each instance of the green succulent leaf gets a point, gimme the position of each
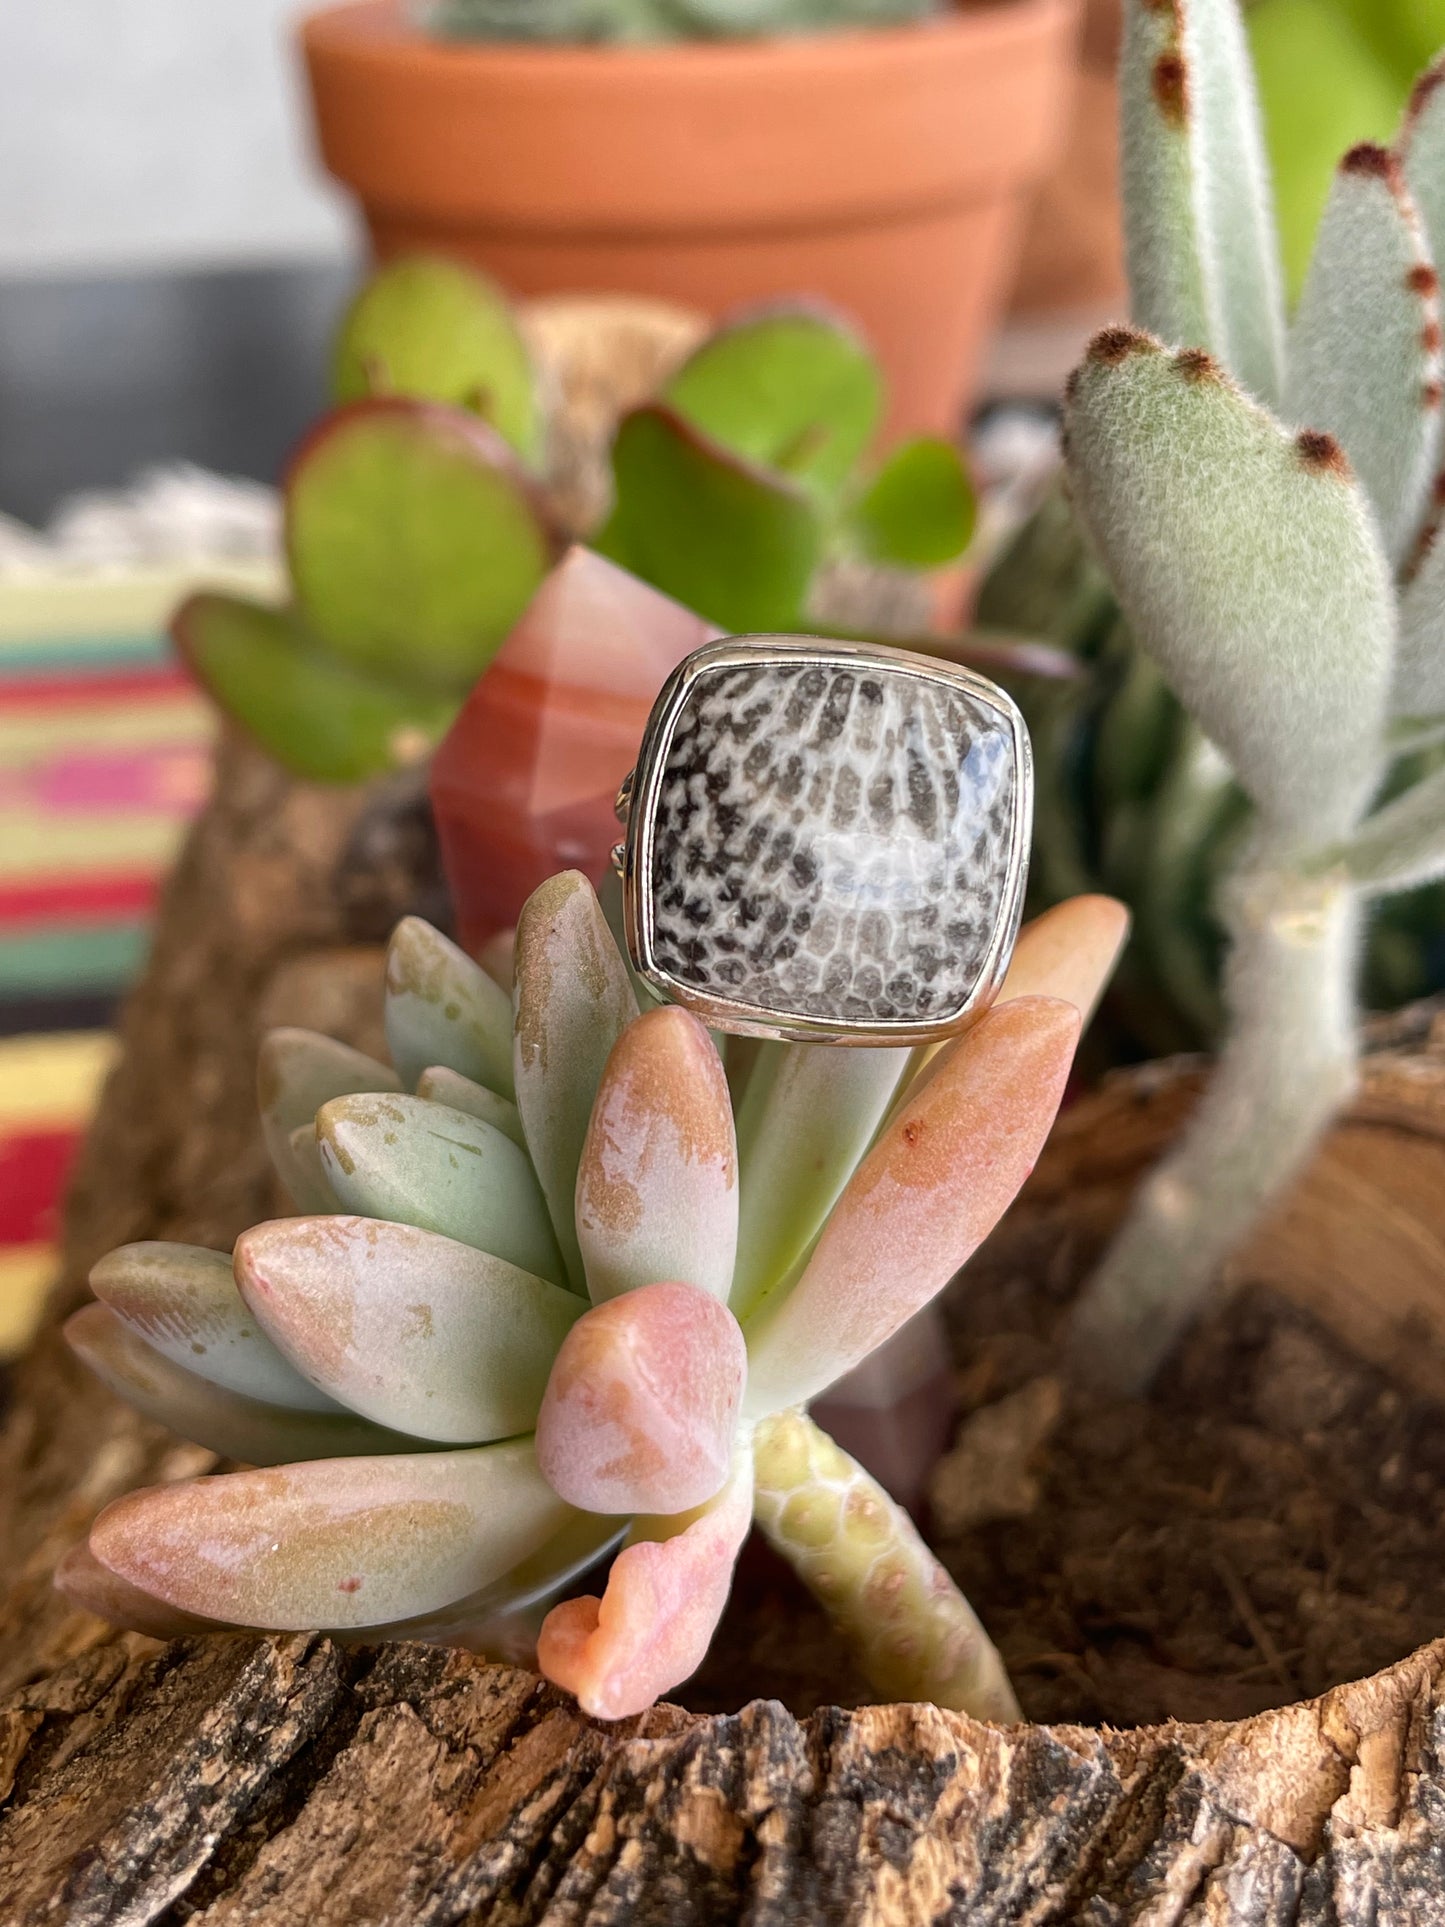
(736, 543)
(918, 511)
(791, 388)
(412, 1330)
(297, 1071)
(309, 1187)
(441, 1008)
(439, 1085)
(439, 330)
(410, 1162)
(414, 540)
(1198, 215)
(183, 1302)
(358, 1542)
(1422, 150)
(225, 1422)
(1364, 351)
(320, 718)
(1248, 564)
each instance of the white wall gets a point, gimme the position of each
(156, 133)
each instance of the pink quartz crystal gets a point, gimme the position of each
(525, 781)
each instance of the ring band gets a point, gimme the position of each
(827, 842)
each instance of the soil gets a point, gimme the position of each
(1263, 1527)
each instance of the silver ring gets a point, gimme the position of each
(827, 842)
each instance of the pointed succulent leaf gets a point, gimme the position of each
(297, 1071)
(183, 1301)
(414, 541)
(807, 1116)
(307, 1182)
(642, 1404)
(1420, 659)
(1402, 845)
(410, 1162)
(439, 1085)
(657, 1186)
(224, 1422)
(940, 1177)
(790, 388)
(1364, 351)
(1248, 563)
(1422, 149)
(1198, 215)
(919, 510)
(341, 1542)
(665, 1595)
(441, 1008)
(440, 330)
(94, 1588)
(412, 1330)
(1068, 953)
(736, 543)
(321, 718)
(572, 1002)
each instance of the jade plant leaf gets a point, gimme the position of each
(1199, 217)
(573, 1000)
(412, 1330)
(918, 511)
(322, 718)
(440, 1085)
(641, 1409)
(441, 1008)
(226, 1422)
(946, 1168)
(297, 1071)
(410, 1162)
(183, 1301)
(665, 1595)
(414, 540)
(1364, 351)
(1247, 560)
(735, 542)
(439, 330)
(789, 388)
(657, 1184)
(346, 1542)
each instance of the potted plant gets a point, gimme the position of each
(713, 156)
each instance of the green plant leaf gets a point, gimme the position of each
(440, 330)
(1402, 845)
(414, 540)
(1247, 561)
(297, 1071)
(1198, 215)
(918, 511)
(1364, 351)
(735, 543)
(319, 717)
(410, 1162)
(441, 1008)
(1421, 147)
(440, 1085)
(412, 1330)
(789, 388)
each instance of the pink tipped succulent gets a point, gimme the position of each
(555, 1293)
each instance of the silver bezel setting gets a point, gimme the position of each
(637, 804)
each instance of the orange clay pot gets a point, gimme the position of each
(889, 171)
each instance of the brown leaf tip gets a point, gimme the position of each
(1170, 82)
(1114, 345)
(1322, 454)
(1426, 87)
(1431, 395)
(1423, 280)
(1372, 162)
(1197, 364)
(1431, 337)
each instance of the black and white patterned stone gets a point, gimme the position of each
(832, 842)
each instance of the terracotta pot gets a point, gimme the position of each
(887, 171)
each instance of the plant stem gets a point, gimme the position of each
(1289, 1064)
(861, 1557)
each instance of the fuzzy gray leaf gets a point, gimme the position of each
(1421, 148)
(1402, 844)
(1420, 659)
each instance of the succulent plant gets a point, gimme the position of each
(646, 20)
(1265, 505)
(553, 1293)
(418, 532)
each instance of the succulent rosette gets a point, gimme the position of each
(567, 1282)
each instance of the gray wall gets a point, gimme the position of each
(141, 134)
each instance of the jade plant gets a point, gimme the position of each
(1265, 503)
(560, 1287)
(650, 20)
(417, 530)
(1133, 796)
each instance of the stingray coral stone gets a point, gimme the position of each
(559, 1289)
